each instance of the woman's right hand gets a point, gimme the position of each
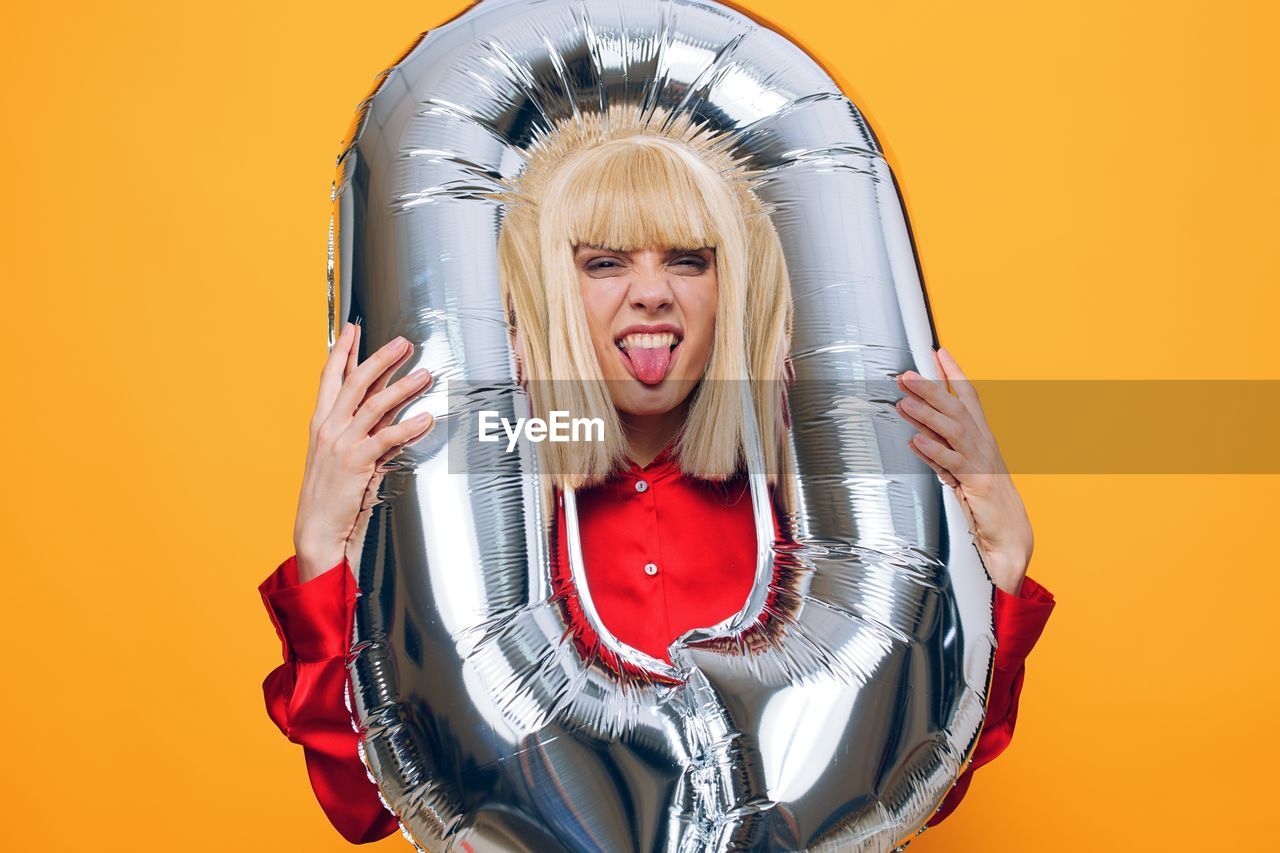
(351, 437)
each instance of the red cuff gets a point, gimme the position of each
(310, 618)
(1020, 619)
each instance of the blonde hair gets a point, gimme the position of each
(630, 181)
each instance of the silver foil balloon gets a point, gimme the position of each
(483, 727)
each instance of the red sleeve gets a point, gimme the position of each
(306, 695)
(1019, 621)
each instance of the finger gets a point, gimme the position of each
(934, 392)
(943, 474)
(923, 427)
(941, 454)
(381, 382)
(357, 383)
(940, 424)
(414, 391)
(331, 375)
(388, 442)
(382, 408)
(396, 448)
(353, 357)
(964, 389)
(961, 432)
(378, 386)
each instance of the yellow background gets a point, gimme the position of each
(1092, 186)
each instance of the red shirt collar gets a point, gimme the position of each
(663, 465)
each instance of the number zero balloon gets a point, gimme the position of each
(838, 707)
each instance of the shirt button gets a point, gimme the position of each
(642, 486)
(650, 568)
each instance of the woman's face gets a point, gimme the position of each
(652, 315)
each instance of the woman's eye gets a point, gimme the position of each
(607, 264)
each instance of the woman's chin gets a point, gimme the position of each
(639, 399)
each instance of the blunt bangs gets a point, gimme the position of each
(632, 194)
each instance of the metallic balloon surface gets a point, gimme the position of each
(483, 727)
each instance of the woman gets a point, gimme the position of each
(640, 266)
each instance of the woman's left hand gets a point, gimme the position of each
(956, 442)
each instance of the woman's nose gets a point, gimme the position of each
(650, 291)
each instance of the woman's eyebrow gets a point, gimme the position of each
(701, 253)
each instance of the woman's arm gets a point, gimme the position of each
(306, 694)
(1019, 622)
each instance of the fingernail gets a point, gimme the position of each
(398, 342)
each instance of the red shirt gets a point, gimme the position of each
(663, 553)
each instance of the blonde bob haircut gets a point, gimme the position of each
(629, 181)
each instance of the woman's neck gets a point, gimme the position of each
(647, 435)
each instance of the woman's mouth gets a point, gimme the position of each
(648, 357)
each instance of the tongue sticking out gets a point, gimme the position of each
(651, 363)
